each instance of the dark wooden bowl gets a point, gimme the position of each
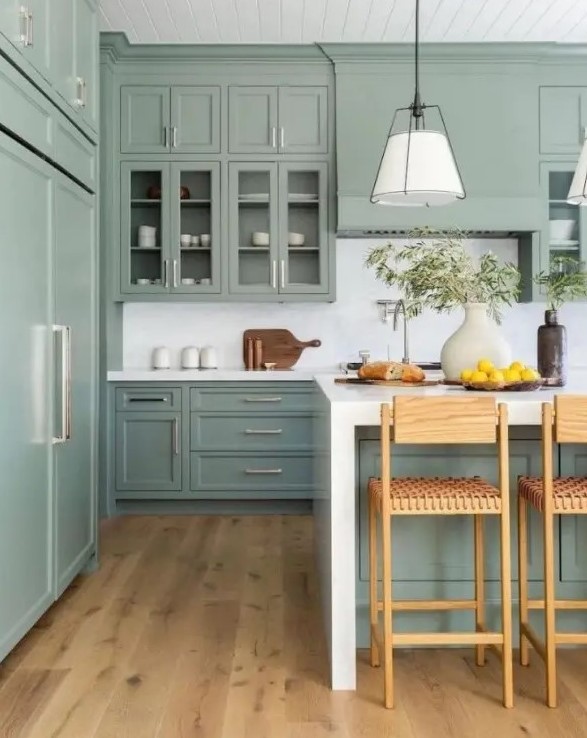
(504, 386)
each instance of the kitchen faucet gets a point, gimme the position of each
(401, 307)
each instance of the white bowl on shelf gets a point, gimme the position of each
(185, 239)
(562, 230)
(296, 239)
(260, 238)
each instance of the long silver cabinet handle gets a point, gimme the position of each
(79, 92)
(282, 272)
(282, 137)
(253, 432)
(30, 30)
(263, 399)
(23, 17)
(175, 272)
(174, 137)
(68, 338)
(263, 471)
(274, 274)
(175, 437)
(166, 273)
(274, 137)
(147, 399)
(166, 137)
(62, 437)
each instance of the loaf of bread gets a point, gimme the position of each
(392, 370)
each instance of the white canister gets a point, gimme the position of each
(161, 358)
(147, 236)
(208, 358)
(190, 357)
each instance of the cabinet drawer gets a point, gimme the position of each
(148, 398)
(252, 399)
(250, 472)
(248, 433)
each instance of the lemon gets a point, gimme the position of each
(497, 376)
(513, 375)
(517, 366)
(466, 375)
(485, 365)
(529, 375)
(478, 376)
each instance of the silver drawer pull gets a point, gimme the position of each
(263, 399)
(147, 399)
(252, 432)
(263, 471)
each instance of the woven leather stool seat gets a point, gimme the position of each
(419, 495)
(569, 493)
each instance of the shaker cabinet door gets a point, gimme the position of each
(86, 58)
(144, 120)
(11, 21)
(148, 452)
(62, 63)
(195, 120)
(252, 113)
(303, 123)
(563, 119)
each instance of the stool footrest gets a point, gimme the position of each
(446, 639)
(407, 605)
(559, 604)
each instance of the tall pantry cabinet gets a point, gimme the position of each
(48, 327)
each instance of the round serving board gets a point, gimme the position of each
(386, 382)
(512, 387)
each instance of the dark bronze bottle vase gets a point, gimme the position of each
(552, 350)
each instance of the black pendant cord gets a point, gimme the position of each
(417, 107)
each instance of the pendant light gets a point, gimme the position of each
(578, 191)
(418, 166)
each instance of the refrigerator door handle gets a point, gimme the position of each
(68, 398)
(61, 438)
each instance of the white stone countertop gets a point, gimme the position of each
(216, 375)
(361, 405)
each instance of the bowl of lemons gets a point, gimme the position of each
(517, 377)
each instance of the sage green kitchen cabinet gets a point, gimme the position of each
(86, 59)
(163, 120)
(25, 502)
(284, 120)
(278, 202)
(13, 21)
(178, 199)
(144, 119)
(148, 452)
(74, 274)
(62, 61)
(563, 119)
(573, 528)
(555, 180)
(37, 44)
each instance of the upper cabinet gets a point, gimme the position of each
(283, 120)
(162, 120)
(563, 119)
(57, 40)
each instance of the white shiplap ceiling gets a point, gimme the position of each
(308, 21)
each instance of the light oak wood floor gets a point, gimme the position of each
(210, 628)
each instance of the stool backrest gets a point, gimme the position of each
(444, 419)
(570, 418)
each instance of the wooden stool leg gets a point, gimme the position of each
(549, 613)
(506, 609)
(523, 576)
(387, 613)
(479, 586)
(373, 578)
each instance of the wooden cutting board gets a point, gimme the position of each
(386, 382)
(280, 346)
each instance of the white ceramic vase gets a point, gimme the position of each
(477, 338)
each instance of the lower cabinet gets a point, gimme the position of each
(573, 527)
(212, 441)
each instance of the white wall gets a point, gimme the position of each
(344, 327)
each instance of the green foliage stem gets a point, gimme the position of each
(565, 280)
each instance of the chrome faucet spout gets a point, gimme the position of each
(400, 307)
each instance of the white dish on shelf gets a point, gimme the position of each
(562, 230)
(254, 196)
(185, 239)
(260, 238)
(296, 239)
(188, 281)
(303, 196)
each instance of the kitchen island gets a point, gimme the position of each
(347, 424)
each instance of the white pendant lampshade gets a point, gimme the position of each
(578, 191)
(417, 169)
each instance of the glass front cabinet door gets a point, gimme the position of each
(566, 227)
(170, 228)
(278, 228)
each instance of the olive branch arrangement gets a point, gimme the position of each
(565, 280)
(435, 271)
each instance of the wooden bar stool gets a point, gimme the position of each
(550, 497)
(433, 420)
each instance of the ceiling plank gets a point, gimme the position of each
(354, 23)
(249, 20)
(206, 21)
(313, 21)
(270, 18)
(292, 21)
(377, 20)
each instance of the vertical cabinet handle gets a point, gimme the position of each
(282, 137)
(175, 272)
(65, 380)
(80, 95)
(26, 26)
(282, 264)
(175, 437)
(274, 137)
(174, 137)
(166, 137)
(274, 274)
(68, 398)
(166, 274)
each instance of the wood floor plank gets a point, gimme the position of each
(208, 627)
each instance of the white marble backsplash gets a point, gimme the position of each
(352, 323)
